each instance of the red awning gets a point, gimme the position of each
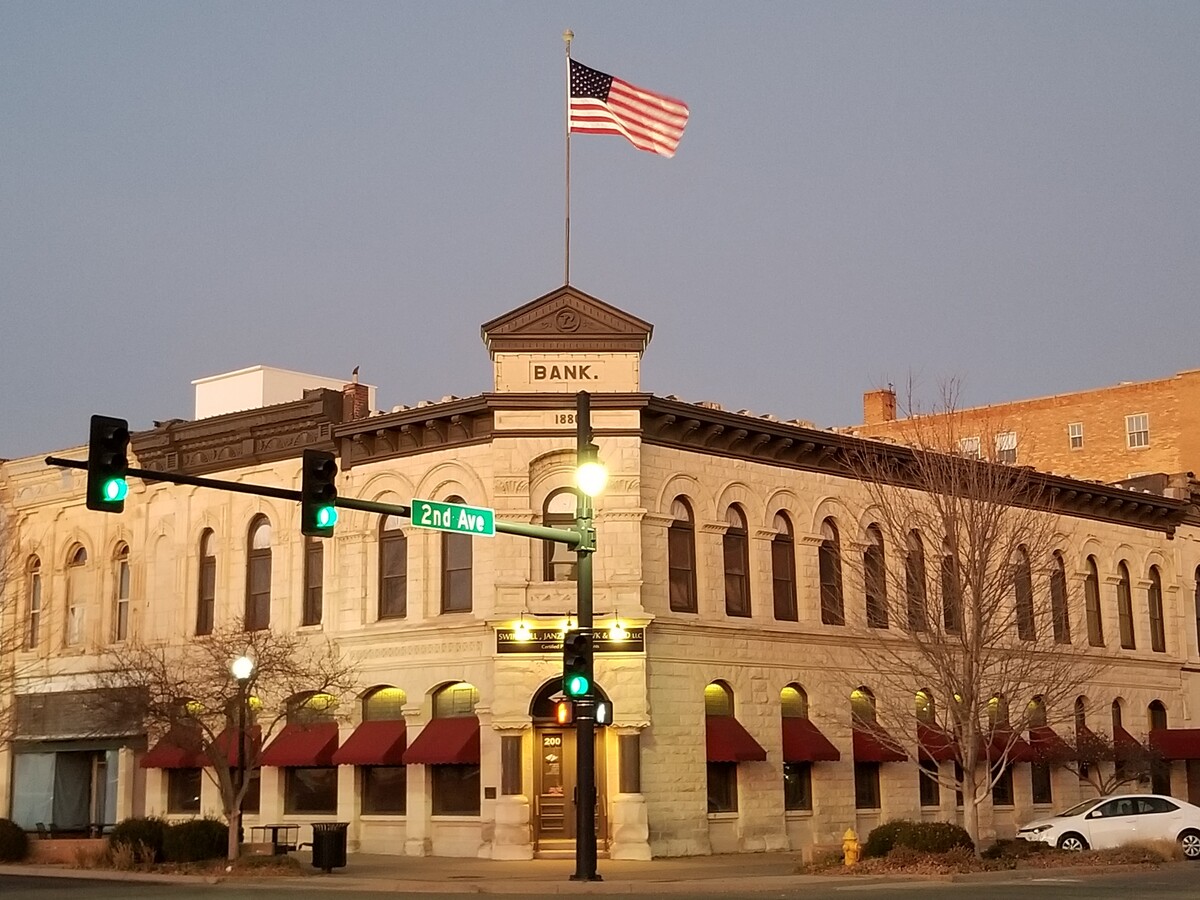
(803, 742)
(727, 741)
(873, 744)
(1125, 745)
(227, 743)
(374, 744)
(1046, 746)
(302, 745)
(1176, 743)
(935, 743)
(446, 742)
(177, 749)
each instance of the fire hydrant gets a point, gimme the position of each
(851, 847)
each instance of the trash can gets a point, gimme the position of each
(329, 845)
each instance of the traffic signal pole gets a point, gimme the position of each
(585, 709)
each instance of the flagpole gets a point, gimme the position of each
(568, 36)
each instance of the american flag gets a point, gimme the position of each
(602, 104)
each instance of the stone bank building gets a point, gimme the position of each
(731, 689)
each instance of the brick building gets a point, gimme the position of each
(731, 685)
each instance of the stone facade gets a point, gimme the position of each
(512, 449)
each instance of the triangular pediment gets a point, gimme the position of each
(566, 320)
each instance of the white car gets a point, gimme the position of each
(1112, 821)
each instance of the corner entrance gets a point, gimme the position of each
(555, 791)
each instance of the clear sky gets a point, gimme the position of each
(1005, 193)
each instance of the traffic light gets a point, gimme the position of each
(318, 492)
(577, 664)
(107, 464)
(564, 712)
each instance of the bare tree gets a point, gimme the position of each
(971, 616)
(185, 693)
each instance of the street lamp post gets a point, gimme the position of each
(242, 668)
(590, 477)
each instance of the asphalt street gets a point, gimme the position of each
(1172, 883)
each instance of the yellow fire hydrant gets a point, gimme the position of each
(851, 847)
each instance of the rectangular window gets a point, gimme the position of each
(455, 790)
(866, 785)
(969, 447)
(183, 790)
(1043, 789)
(384, 790)
(1075, 435)
(722, 787)
(122, 617)
(310, 790)
(206, 600)
(1002, 790)
(314, 575)
(1006, 447)
(797, 786)
(1137, 431)
(928, 787)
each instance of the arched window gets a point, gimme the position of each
(455, 787)
(681, 557)
(783, 569)
(829, 569)
(875, 579)
(1023, 587)
(1158, 636)
(1091, 593)
(34, 604)
(393, 568)
(206, 586)
(915, 587)
(76, 601)
(1125, 607)
(1058, 600)
(384, 787)
(722, 776)
(559, 560)
(314, 581)
(258, 575)
(121, 606)
(951, 592)
(736, 552)
(456, 569)
(797, 776)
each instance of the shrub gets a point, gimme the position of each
(14, 843)
(927, 837)
(195, 840)
(143, 836)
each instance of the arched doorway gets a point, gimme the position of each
(554, 768)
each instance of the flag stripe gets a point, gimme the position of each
(602, 104)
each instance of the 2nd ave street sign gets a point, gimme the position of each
(477, 520)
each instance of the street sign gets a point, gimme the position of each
(476, 520)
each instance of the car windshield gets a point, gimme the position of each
(1079, 808)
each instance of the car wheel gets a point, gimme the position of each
(1072, 842)
(1189, 842)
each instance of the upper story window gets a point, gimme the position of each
(969, 447)
(915, 587)
(1006, 447)
(736, 552)
(34, 605)
(258, 575)
(121, 612)
(314, 578)
(875, 579)
(1023, 588)
(1125, 607)
(681, 557)
(76, 601)
(456, 569)
(559, 560)
(393, 568)
(1075, 435)
(206, 589)
(1158, 637)
(1137, 431)
(1091, 597)
(783, 569)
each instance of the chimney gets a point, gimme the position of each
(879, 406)
(355, 399)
